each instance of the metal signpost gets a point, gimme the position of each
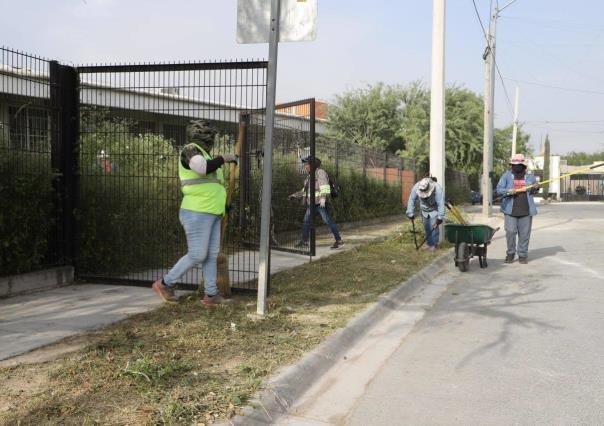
(286, 20)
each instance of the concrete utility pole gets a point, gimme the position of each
(267, 172)
(515, 131)
(489, 98)
(489, 106)
(437, 95)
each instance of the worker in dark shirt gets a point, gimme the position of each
(518, 207)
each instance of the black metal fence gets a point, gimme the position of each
(133, 123)
(36, 167)
(582, 187)
(89, 155)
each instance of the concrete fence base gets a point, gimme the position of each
(36, 281)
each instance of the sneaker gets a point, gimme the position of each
(301, 244)
(165, 292)
(211, 301)
(509, 258)
(523, 260)
(337, 245)
(431, 248)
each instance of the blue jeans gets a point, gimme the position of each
(326, 216)
(432, 235)
(203, 244)
(521, 227)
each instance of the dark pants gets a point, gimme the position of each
(325, 213)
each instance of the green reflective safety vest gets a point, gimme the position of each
(203, 194)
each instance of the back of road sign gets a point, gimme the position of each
(298, 21)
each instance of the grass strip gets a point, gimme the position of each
(185, 364)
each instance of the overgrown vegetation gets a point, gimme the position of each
(129, 188)
(26, 216)
(187, 365)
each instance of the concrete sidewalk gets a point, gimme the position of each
(40, 319)
(511, 344)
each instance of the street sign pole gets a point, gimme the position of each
(267, 172)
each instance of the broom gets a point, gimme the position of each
(223, 280)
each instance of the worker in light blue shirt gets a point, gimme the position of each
(432, 207)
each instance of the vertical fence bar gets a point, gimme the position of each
(312, 180)
(57, 242)
(70, 129)
(64, 100)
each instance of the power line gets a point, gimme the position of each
(549, 86)
(484, 31)
(488, 50)
(505, 90)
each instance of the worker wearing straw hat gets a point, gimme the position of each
(518, 207)
(432, 206)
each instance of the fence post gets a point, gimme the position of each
(244, 170)
(312, 180)
(385, 168)
(337, 159)
(65, 124)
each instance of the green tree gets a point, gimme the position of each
(546, 168)
(463, 128)
(575, 158)
(369, 117)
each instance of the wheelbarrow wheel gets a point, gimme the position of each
(483, 258)
(462, 256)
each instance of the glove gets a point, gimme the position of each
(322, 203)
(411, 217)
(292, 197)
(439, 221)
(230, 158)
(511, 192)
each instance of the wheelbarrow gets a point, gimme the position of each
(470, 241)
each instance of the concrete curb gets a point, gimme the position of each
(35, 281)
(291, 383)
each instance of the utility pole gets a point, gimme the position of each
(515, 131)
(267, 172)
(437, 95)
(489, 98)
(489, 106)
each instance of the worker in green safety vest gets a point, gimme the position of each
(201, 211)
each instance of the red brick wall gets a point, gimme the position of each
(407, 179)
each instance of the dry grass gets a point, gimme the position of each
(187, 365)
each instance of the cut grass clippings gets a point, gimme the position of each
(184, 364)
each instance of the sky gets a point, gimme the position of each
(552, 50)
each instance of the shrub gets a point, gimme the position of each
(27, 215)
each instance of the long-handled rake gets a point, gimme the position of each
(418, 246)
(223, 280)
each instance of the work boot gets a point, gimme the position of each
(212, 301)
(509, 258)
(337, 245)
(165, 292)
(523, 260)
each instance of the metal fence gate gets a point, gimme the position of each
(132, 123)
(294, 137)
(582, 187)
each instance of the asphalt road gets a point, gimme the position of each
(512, 344)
